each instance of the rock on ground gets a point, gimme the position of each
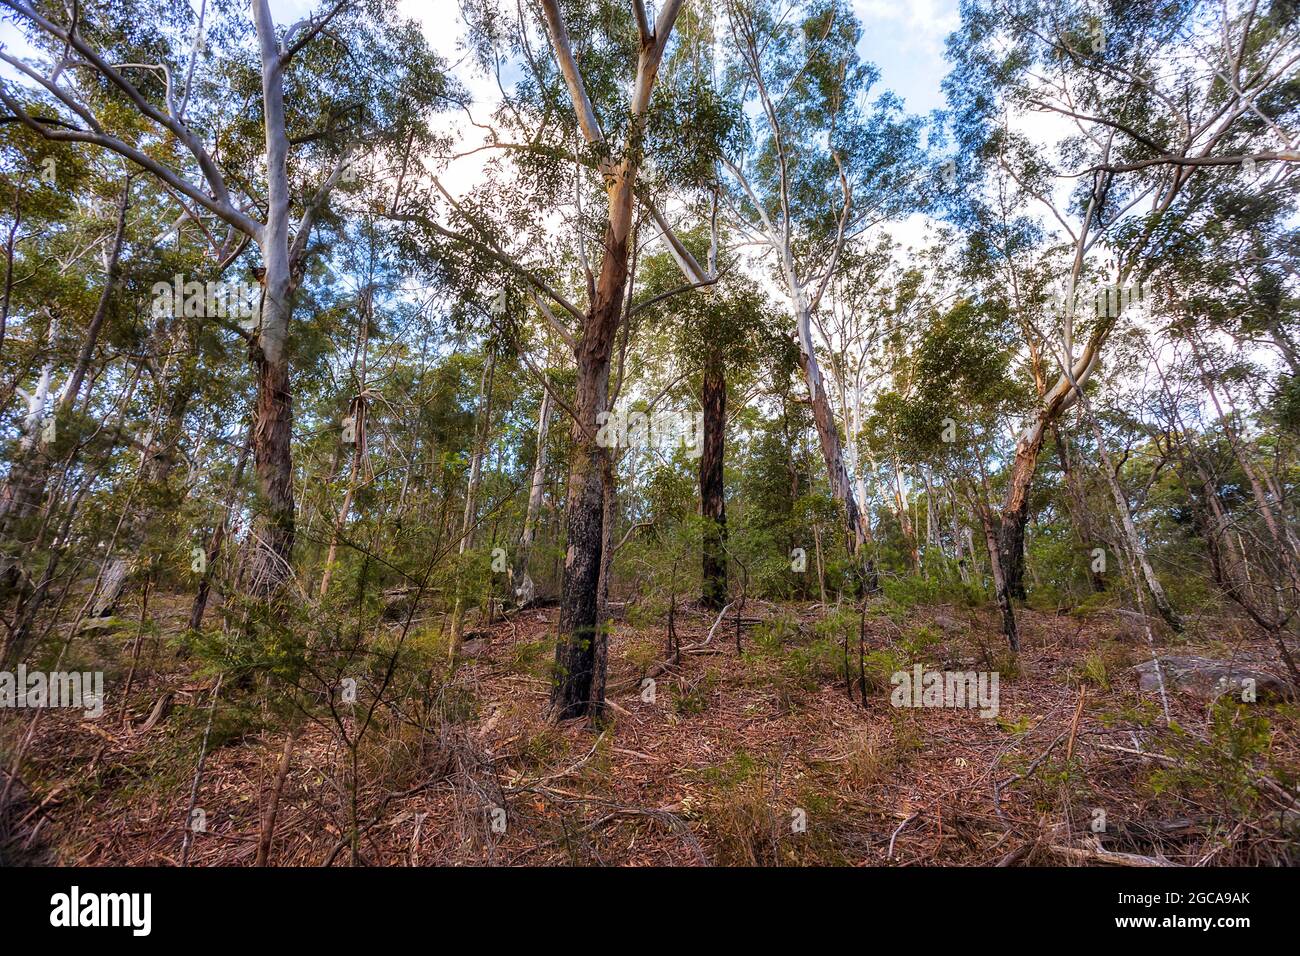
(1210, 679)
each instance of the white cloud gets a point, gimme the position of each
(906, 41)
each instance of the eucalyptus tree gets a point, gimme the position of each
(580, 655)
(62, 299)
(860, 313)
(1234, 481)
(959, 355)
(1230, 293)
(715, 338)
(587, 130)
(89, 235)
(821, 164)
(24, 485)
(1227, 289)
(875, 312)
(1147, 96)
(1008, 255)
(352, 76)
(189, 370)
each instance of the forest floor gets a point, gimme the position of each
(757, 757)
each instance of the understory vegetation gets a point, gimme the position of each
(640, 439)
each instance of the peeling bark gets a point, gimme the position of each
(856, 534)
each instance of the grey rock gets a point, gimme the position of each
(399, 603)
(1210, 679)
(949, 625)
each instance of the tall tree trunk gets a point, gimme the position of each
(576, 651)
(713, 504)
(1010, 537)
(271, 564)
(577, 689)
(21, 492)
(857, 534)
(273, 467)
(609, 519)
(1001, 591)
(852, 414)
(1015, 506)
(525, 591)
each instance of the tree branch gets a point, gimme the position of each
(572, 77)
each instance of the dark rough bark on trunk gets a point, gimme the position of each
(1001, 590)
(1015, 515)
(578, 687)
(1011, 552)
(273, 464)
(1015, 506)
(577, 650)
(600, 654)
(282, 256)
(713, 504)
